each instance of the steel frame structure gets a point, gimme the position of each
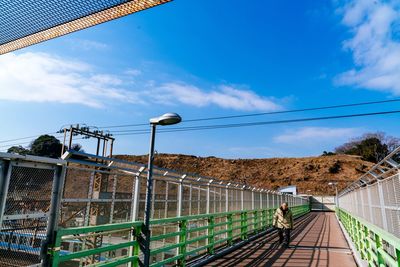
(30, 22)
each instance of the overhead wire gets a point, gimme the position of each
(247, 124)
(265, 113)
(217, 118)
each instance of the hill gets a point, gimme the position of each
(310, 173)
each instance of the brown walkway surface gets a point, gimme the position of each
(317, 240)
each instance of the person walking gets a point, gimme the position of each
(283, 221)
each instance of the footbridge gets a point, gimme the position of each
(87, 210)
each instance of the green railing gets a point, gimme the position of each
(174, 241)
(375, 245)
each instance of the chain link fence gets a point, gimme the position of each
(29, 190)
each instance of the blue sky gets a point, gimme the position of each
(214, 58)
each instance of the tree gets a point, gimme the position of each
(370, 146)
(77, 147)
(46, 146)
(18, 150)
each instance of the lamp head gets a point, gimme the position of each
(166, 119)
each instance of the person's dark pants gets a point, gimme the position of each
(284, 236)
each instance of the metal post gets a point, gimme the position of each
(149, 189)
(52, 224)
(111, 148)
(336, 196)
(153, 198)
(136, 195)
(252, 198)
(227, 197)
(180, 196)
(114, 189)
(166, 199)
(5, 174)
(190, 199)
(63, 144)
(241, 198)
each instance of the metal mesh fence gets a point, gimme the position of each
(378, 203)
(98, 194)
(27, 191)
(27, 22)
(375, 197)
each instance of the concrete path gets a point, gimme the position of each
(317, 240)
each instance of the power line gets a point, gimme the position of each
(266, 113)
(24, 143)
(23, 138)
(225, 117)
(296, 110)
(237, 125)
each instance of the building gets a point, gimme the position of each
(291, 189)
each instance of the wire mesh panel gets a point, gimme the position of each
(27, 22)
(26, 208)
(377, 203)
(391, 196)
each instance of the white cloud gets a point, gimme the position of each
(316, 134)
(40, 77)
(133, 72)
(224, 96)
(375, 44)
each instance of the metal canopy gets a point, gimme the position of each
(27, 22)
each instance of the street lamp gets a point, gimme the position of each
(336, 192)
(166, 119)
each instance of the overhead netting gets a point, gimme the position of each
(27, 22)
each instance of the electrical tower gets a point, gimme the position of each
(98, 179)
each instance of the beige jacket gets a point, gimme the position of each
(283, 221)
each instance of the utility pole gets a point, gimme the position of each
(103, 138)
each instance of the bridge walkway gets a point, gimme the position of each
(317, 240)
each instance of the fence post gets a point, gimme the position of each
(252, 198)
(211, 222)
(227, 197)
(56, 195)
(242, 198)
(182, 242)
(135, 209)
(230, 226)
(208, 197)
(243, 225)
(5, 174)
(180, 196)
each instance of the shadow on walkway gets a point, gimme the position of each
(312, 245)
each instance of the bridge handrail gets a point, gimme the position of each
(375, 245)
(222, 229)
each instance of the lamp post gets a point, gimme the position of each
(336, 192)
(163, 120)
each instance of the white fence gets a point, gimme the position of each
(375, 197)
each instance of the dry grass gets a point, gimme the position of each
(311, 173)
